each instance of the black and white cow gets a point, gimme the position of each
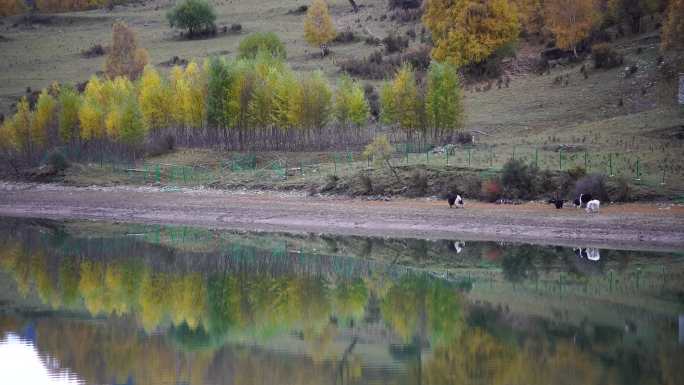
(582, 200)
(455, 199)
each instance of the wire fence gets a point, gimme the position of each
(262, 167)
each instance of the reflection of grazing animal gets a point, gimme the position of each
(582, 200)
(593, 206)
(454, 200)
(589, 253)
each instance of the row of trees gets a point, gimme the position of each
(245, 103)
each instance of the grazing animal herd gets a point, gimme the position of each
(585, 201)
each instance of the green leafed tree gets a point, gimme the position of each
(195, 16)
(443, 104)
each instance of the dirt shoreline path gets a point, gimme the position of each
(630, 226)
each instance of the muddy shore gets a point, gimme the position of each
(647, 226)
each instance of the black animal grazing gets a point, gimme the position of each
(451, 198)
(582, 200)
(557, 202)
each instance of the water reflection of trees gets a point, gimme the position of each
(196, 308)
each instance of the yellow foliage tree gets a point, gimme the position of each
(318, 25)
(469, 31)
(43, 117)
(69, 102)
(673, 28)
(399, 100)
(20, 136)
(154, 99)
(571, 20)
(91, 114)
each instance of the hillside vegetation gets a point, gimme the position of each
(562, 104)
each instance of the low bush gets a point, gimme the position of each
(619, 190)
(395, 43)
(405, 4)
(330, 183)
(269, 41)
(377, 66)
(57, 160)
(366, 183)
(159, 145)
(345, 37)
(491, 190)
(418, 183)
(519, 180)
(605, 56)
(594, 184)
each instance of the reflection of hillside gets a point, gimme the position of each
(228, 308)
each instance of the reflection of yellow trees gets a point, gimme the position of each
(476, 357)
(155, 299)
(188, 299)
(421, 307)
(349, 299)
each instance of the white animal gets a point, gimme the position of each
(459, 202)
(593, 254)
(593, 206)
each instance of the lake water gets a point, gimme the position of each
(98, 303)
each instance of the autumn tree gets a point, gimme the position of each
(91, 113)
(21, 135)
(155, 100)
(313, 103)
(444, 104)
(125, 58)
(351, 106)
(69, 103)
(399, 101)
(571, 21)
(318, 25)
(469, 31)
(43, 118)
(673, 28)
(219, 80)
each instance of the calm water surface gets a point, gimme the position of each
(97, 303)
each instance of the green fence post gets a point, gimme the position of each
(427, 156)
(586, 161)
(638, 174)
(407, 153)
(469, 157)
(185, 177)
(560, 159)
(334, 164)
(662, 182)
(536, 157)
(301, 167)
(158, 173)
(513, 152)
(491, 158)
(447, 158)
(610, 163)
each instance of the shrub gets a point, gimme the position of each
(491, 190)
(395, 42)
(330, 183)
(195, 16)
(519, 179)
(345, 37)
(593, 184)
(380, 150)
(57, 160)
(405, 4)
(160, 145)
(268, 41)
(620, 190)
(418, 183)
(366, 183)
(605, 56)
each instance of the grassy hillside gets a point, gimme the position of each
(608, 114)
